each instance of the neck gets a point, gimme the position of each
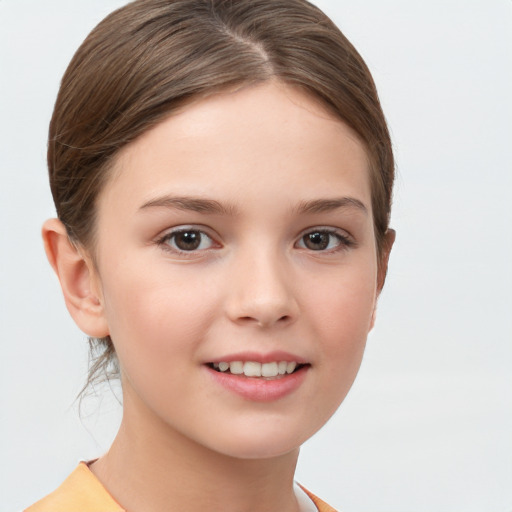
(152, 468)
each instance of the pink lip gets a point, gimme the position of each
(258, 389)
(270, 357)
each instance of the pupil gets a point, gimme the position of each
(317, 241)
(188, 240)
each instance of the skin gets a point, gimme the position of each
(253, 284)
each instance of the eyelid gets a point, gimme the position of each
(162, 239)
(346, 240)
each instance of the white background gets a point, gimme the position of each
(428, 424)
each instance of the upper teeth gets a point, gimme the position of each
(254, 369)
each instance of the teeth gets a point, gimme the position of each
(236, 367)
(223, 367)
(255, 369)
(290, 367)
(252, 369)
(269, 370)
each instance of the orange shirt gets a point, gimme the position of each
(83, 492)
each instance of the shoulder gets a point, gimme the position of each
(80, 492)
(83, 492)
(320, 505)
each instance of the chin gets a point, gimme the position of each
(259, 443)
(260, 451)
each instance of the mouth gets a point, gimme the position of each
(260, 377)
(265, 371)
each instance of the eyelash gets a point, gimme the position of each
(344, 242)
(165, 240)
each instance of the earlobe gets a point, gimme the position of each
(382, 270)
(78, 279)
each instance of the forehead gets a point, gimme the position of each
(247, 135)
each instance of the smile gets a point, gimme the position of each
(259, 382)
(255, 369)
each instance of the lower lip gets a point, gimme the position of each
(259, 389)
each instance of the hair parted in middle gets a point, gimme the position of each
(151, 58)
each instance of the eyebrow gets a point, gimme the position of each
(195, 204)
(326, 205)
(210, 206)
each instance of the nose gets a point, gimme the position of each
(261, 292)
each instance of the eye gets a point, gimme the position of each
(324, 240)
(187, 240)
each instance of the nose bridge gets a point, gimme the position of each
(261, 289)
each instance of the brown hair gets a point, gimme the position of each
(150, 57)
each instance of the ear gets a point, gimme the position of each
(78, 278)
(389, 240)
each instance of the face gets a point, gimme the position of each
(237, 270)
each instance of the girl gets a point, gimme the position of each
(222, 173)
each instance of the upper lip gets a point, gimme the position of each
(259, 357)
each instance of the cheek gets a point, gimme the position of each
(156, 316)
(341, 315)
(345, 302)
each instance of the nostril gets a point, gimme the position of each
(262, 313)
(262, 322)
